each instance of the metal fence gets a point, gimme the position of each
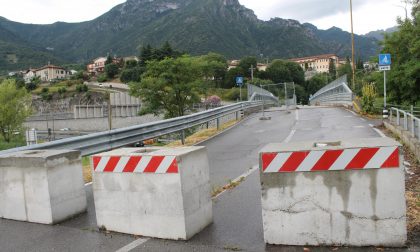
(103, 141)
(337, 92)
(406, 120)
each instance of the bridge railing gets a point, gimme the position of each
(406, 120)
(108, 140)
(257, 94)
(337, 92)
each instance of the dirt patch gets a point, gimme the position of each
(412, 184)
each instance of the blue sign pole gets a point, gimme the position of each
(385, 65)
(240, 82)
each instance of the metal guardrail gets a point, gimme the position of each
(333, 93)
(406, 120)
(103, 141)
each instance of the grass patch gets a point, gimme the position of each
(231, 185)
(14, 143)
(202, 135)
(87, 170)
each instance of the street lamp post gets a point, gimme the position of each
(352, 46)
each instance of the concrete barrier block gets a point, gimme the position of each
(42, 186)
(346, 193)
(155, 192)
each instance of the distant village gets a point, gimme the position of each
(311, 65)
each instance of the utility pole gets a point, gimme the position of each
(352, 46)
(252, 72)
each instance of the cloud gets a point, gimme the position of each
(304, 10)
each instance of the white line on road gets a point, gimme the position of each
(133, 245)
(371, 125)
(351, 111)
(238, 179)
(297, 115)
(363, 119)
(358, 127)
(289, 137)
(379, 132)
(88, 184)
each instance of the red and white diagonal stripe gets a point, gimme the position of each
(331, 160)
(135, 164)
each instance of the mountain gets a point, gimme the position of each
(379, 34)
(195, 26)
(15, 53)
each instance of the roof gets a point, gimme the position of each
(49, 66)
(316, 57)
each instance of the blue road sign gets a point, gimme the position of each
(239, 81)
(385, 59)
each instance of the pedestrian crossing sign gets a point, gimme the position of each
(385, 59)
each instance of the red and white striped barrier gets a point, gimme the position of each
(331, 160)
(135, 164)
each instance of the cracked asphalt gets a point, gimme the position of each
(237, 222)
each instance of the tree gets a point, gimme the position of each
(15, 107)
(296, 72)
(245, 65)
(332, 70)
(278, 71)
(230, 79)
(111, 70)
(108, 60)
(404, 46)
(214, 67)
(315, 83)
(145, 54)
(169, 86)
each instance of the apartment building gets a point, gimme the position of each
(318, 63)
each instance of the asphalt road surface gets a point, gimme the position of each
(237, 222)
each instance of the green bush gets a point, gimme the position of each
(46, 96)
(82, 88)
(102, 78)
(234, 94)
(45, 90)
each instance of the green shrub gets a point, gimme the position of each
(82, 88)
(46, 96)
(45, 90)
(368, 97)
(102, 78)
(234, 94)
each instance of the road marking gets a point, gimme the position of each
(363, 119)
(238, 179)
(297, 115)
(289, 137)
(88, 184)
(351, 111)
(133, 245)
(359, 127)
(379, 132)
(371, 125)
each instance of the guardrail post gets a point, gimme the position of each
(418, 129)
(405, 121)
(183, 137)
(413, 126)
(237, 115)
(218, 123)
(390, 114)
(398, 117)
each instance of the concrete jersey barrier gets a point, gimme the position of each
(348, 193)
(42, 186)
(155, 192)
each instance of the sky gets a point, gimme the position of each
(369, 15)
